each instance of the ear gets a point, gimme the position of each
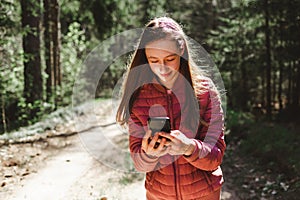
(182, 51)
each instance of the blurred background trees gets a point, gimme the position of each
(255, 45)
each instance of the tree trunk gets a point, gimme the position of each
(280, 63)
(48, 51)
(268, 60)
(279, 95)
(33, 85)
(298, 86)
(297, 75)
(274, 84)
(52, 48)
(3, 114)
(289, 98)
(55, 35)
(263, 84)
(295, 81)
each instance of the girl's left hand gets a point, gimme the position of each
(180, 144)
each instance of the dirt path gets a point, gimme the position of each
(72, 170)
(59, 173)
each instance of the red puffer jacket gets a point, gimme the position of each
(179, 177)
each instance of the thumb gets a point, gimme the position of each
(148, 134)
(145, 140)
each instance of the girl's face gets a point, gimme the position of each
(164, 59)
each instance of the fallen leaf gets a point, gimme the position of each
(8, 175)
(9, 163)
(284, 186)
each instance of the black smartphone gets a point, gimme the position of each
(159, 124)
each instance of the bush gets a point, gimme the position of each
(237, 125)
(275, 145)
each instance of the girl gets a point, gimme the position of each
(163, 81)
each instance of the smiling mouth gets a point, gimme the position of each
(166, 75)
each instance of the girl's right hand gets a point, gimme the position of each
(148, 145)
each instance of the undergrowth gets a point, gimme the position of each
(274, 145)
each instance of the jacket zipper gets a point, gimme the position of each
(177, 180)
(176, 170)
(170, 110)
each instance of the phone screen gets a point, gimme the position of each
(157, 124)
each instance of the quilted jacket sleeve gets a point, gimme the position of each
(142, 161)
(210, 144)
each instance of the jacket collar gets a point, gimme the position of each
(178, 85)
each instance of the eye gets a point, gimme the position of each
(170, 59)
(153, 61)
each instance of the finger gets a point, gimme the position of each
(159, 140)
(167, 135)
(161, 145)
(153, 141)
(168, 143)
(163, 141)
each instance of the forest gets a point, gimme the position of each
(254, 44)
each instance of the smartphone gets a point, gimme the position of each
(159, 124)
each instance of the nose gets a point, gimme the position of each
(163, 68)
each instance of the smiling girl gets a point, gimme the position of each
(163, 81)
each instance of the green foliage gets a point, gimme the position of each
(8, 15)
(235, 119)
(70, 12)
(74, 46)
(11, 65)
(274, 145)
(152, 9)
(238, 125)
(26, 110)
(238, 46)
(110, 77)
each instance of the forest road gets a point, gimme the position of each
(94, 165)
